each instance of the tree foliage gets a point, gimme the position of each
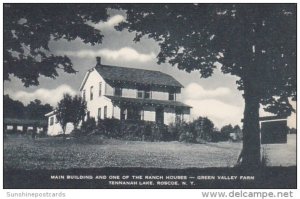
(203, 128)
(12, 108)
(16, 109)
(226, 130)
(36, 110)
(28, 29)
(255, 42)
(79, 109)
(70, 110)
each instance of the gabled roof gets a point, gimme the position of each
(152, 102)
(135, 76)
(85, 78)
(50, 113)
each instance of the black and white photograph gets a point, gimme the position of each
(149, 95)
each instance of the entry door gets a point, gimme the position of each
(159, 115)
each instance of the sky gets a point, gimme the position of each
(216, 97)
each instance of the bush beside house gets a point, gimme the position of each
(200, 130)
(126, 129)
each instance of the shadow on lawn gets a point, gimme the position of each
(269, 177)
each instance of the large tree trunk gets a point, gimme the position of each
(250, 156)
(64, 132)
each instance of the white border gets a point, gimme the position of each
(124, 193)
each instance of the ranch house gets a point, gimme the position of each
(129, 94)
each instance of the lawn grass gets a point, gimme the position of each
(97, 152)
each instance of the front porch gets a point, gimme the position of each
(159, 111)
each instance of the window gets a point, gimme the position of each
(172, 96)
(179, 116)
(140, 94)
(100, 88)
(88, 115)
(83, 95)
(91, 93)
(118, 92)
(145, 94)
(99, 113)
(105, 112)
(134, 113)
(51, 121)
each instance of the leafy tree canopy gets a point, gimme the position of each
(203, 127)
(16, 109)
(36, 110)
(256, 42)
(12, 108)
(70, 110)
(28, 28)
(227, 129)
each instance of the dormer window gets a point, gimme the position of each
(172, 96)
(118, 92)
(91, 93)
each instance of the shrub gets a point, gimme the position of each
(132, 130)
(43, 134)
(199, 140)
(159, 132)
(226, 131)
(198, 131)
(202, 128)
(109, 127)
(88, 126)
(76, 133)
(239, 134)
(187, 137)
(177, 129)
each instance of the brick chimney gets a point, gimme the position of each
(98, 59)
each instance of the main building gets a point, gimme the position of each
(129, 94)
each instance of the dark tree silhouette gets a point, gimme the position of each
(12, 108)
(64, 112)
(226, 130)
(16, 109)
(36, 110)
(70, 110)
(255, 42)
(79, 110)
(203, 128)
(28, 28)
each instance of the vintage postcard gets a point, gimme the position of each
(156, 96)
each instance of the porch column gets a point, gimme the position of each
(35, 129)
(25, 127)
(15, 128)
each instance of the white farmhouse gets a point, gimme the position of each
(129, 94)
